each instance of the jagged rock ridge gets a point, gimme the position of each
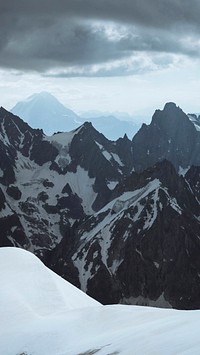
(120, 235)
(49, 183)
(171, 135)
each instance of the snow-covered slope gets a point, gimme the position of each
(42, 314)
(35, 287)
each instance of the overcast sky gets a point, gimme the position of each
(125, 55)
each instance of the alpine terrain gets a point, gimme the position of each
(118, 219)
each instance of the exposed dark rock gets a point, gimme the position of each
(108, 292)
(2, 199)
(73, 204)
(56, 258)
(43, 151)
(125, 152)
(43, 196)
(171, 135)
(51, 208)
(14, 192)
(67, 189)
(12, 232)
(47, 183)
(193, 178)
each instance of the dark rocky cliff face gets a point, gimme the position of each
(193, 178)
(171, 135)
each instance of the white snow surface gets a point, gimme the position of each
(31, 286)
(42, 314)
(195, 121)
(63, 138)
(82, 184)
(183, 171)
(112, 184)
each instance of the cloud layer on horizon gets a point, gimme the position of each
(97, 38)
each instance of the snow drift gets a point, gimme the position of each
(42, 314)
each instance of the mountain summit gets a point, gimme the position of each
(171, 135)
(43, 110)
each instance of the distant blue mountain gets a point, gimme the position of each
(43, 110)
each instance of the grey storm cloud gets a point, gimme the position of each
(47, 34)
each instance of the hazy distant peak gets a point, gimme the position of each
(43, 110)
(42, 96)
(124, 116)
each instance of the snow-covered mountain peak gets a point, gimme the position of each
(41, 95)
(43, 110)
(46, 99)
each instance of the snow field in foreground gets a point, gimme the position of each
(42, 314)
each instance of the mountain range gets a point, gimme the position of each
(44, 111)
(118, 219)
